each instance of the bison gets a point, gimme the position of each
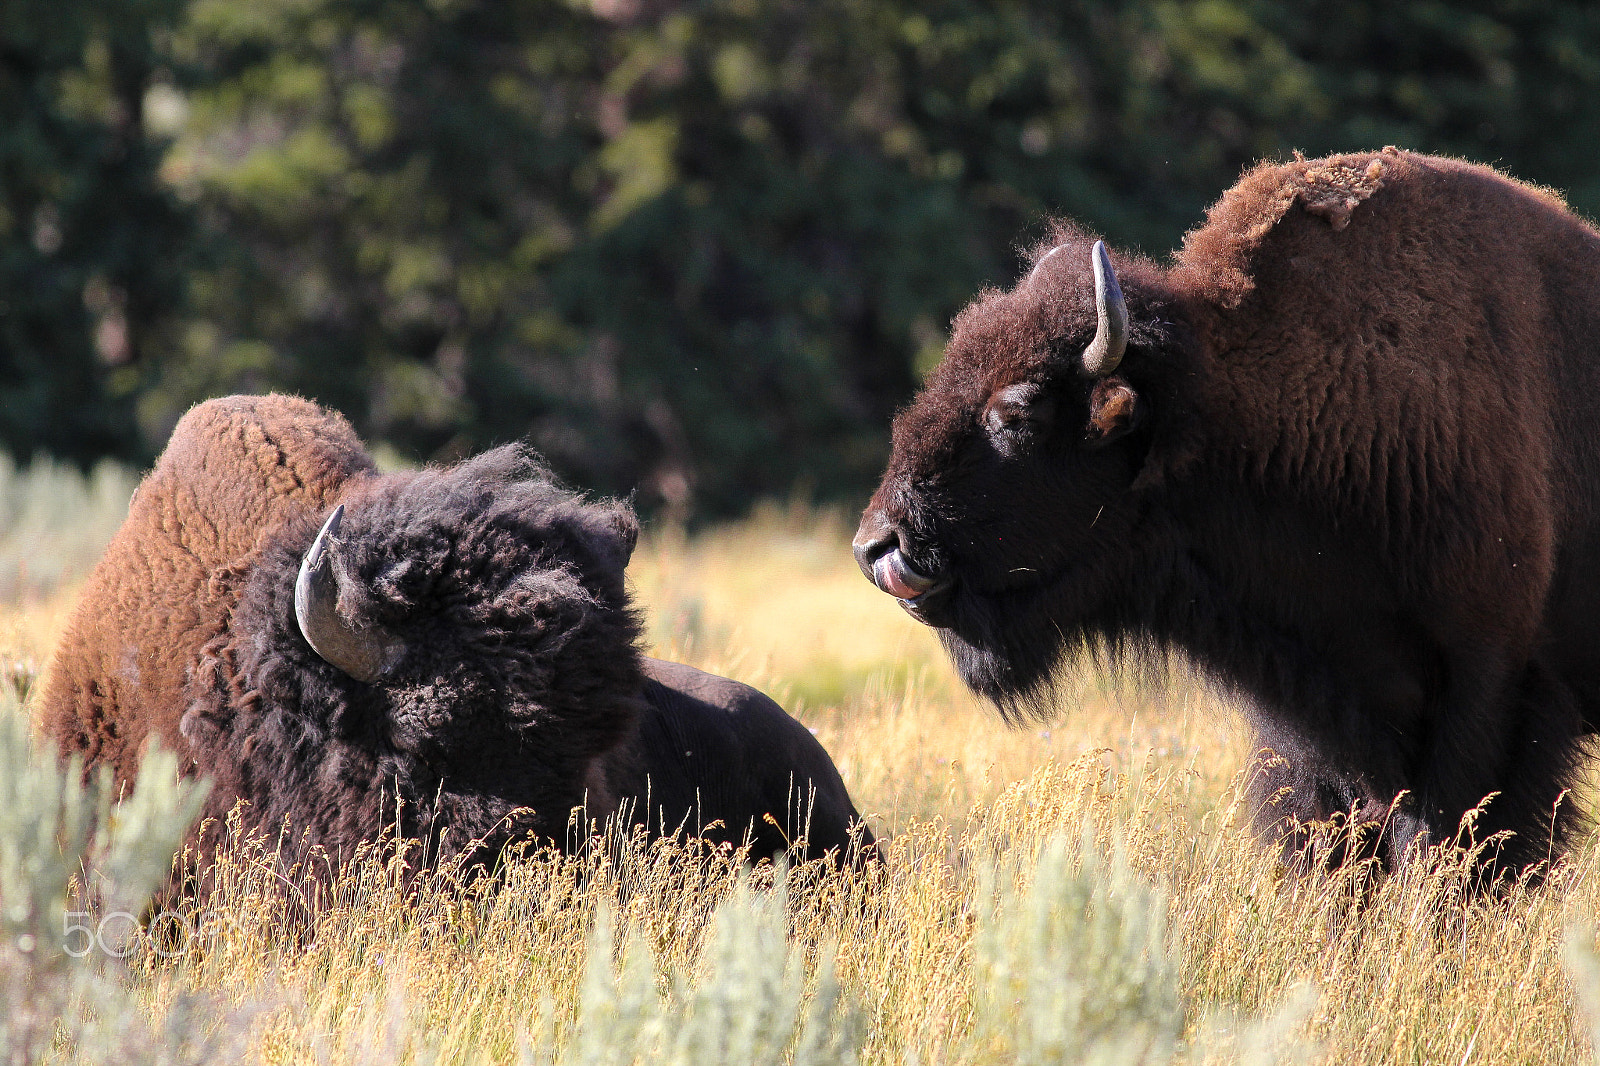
(454, 648)
(1341, 454)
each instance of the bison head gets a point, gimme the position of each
(460, 639)
(1007, 516)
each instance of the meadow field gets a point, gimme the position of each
(1081, 889)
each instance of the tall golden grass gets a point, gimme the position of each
(1077, 890)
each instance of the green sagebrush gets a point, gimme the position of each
(68, 996)
(1077, 967)
(1072, 962)
(749, 1006)
(1583, 967)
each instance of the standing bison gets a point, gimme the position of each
(1344, 454)
(327, 643)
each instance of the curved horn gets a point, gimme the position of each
(1111, 336)
(366, 654)
(1043, 258)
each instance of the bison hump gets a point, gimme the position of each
(1217, 259)
(1332, 189)
(234, 470)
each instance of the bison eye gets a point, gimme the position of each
(1018, 408)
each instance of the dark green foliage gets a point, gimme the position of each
(705, 248)
(91, 242)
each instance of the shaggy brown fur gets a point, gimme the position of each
(519, 693)
(234, 471)
(1348, 465)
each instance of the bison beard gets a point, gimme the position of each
(475, 675)
(1339, 455)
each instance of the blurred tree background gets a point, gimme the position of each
(698, 249)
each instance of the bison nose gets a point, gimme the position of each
(875, 537)
(879, 553)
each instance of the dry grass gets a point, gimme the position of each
(1403, 971)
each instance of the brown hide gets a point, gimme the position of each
(234, 470)
(1416, 380)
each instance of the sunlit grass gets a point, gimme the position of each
(1123, 809)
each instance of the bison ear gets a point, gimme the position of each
(1114, 411)
(611, 532)
(626, 523)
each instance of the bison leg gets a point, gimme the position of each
(1319, 815)
(1508, 747)
(1523, 745)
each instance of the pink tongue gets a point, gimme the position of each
(890, 581)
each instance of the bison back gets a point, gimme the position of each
(718, 759)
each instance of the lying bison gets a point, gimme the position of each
(1343, 453)
(324, 641)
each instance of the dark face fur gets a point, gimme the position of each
(508, 659)
(1005, 515)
